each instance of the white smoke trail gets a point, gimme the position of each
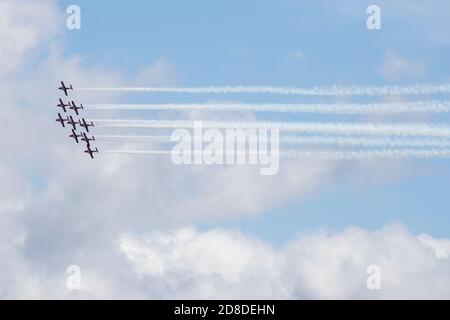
(353, 90)
(135, 138)
(308, 140)
(331, 155)
(369, 155)
(338, 108)
(365, 141)
(305, 127)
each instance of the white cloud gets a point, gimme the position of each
(226, 264)
(440, 247)
(395, 67)
(24, 25)
(161, 72)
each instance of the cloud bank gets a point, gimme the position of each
(227, 264)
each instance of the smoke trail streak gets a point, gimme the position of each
(131, 138)
(338, 108)
(309, 140)
(306, 127)
(369, 155)
(353, 90)
(365, 141)
(331, 155)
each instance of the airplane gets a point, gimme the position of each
(90, 151)
(86, 139)
(64, 88)
(85, 125)
(75, 108)
(75, 135)
(72, 122)
(61, 120)
(63, 105)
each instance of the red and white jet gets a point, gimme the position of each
(85, 125)
(90, 151)
(65, 88)
(61, 120)
(75, 135)
(75, 108)
(72, 122)
(62, 105)
(87, 139)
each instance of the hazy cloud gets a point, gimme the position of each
(395, 67)
(226, 264)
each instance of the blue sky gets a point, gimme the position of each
(238, 42)
(411, 202)
(255, 42)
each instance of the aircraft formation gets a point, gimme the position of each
(72, 123)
